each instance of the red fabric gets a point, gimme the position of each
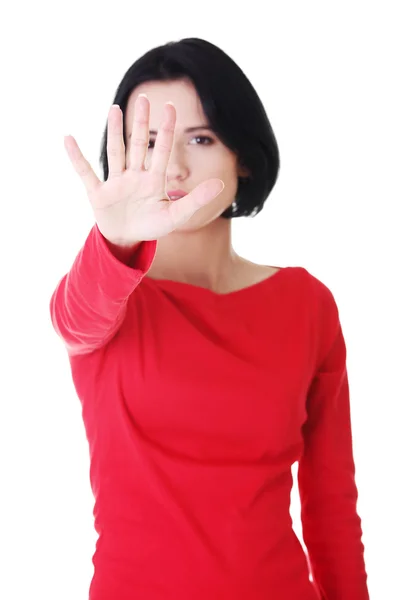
(195, 406)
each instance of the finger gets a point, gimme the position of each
(81, 165)
(181, 210)
(165, 138)
(140, 134)
(115, 142)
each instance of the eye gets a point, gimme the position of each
(203, 137)
(209, 141)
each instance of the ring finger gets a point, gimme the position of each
(115, 142)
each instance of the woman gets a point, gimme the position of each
(203, 377)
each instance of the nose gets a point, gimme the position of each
(177, 167)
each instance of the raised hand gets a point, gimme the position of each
(132, 205)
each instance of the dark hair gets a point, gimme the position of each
(230, 103)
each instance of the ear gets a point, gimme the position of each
(243, 171)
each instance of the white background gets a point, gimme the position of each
(328, 75)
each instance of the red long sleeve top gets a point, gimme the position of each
(195, 406)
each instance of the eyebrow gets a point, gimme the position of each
(187, 130)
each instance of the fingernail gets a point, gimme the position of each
(145, 95)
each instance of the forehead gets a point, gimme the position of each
(189, 111)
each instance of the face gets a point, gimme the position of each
(197, 155)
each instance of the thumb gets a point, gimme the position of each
(181, 210)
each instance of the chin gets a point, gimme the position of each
(196, 222)
(191, 226)
(205, 216)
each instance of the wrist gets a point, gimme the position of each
(121, 251)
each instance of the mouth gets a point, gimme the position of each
(176, 194)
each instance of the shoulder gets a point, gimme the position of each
(315, 301)
(316, 287)
(325, 314)
(307, 287)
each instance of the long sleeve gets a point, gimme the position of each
(326, 478)
(89, 304)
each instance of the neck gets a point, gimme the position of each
(203, 257)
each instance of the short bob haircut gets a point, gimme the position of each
(230, 103)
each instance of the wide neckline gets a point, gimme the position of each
(190, 287)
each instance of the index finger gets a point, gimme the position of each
(164, 141)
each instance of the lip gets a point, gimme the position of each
(176, 193)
